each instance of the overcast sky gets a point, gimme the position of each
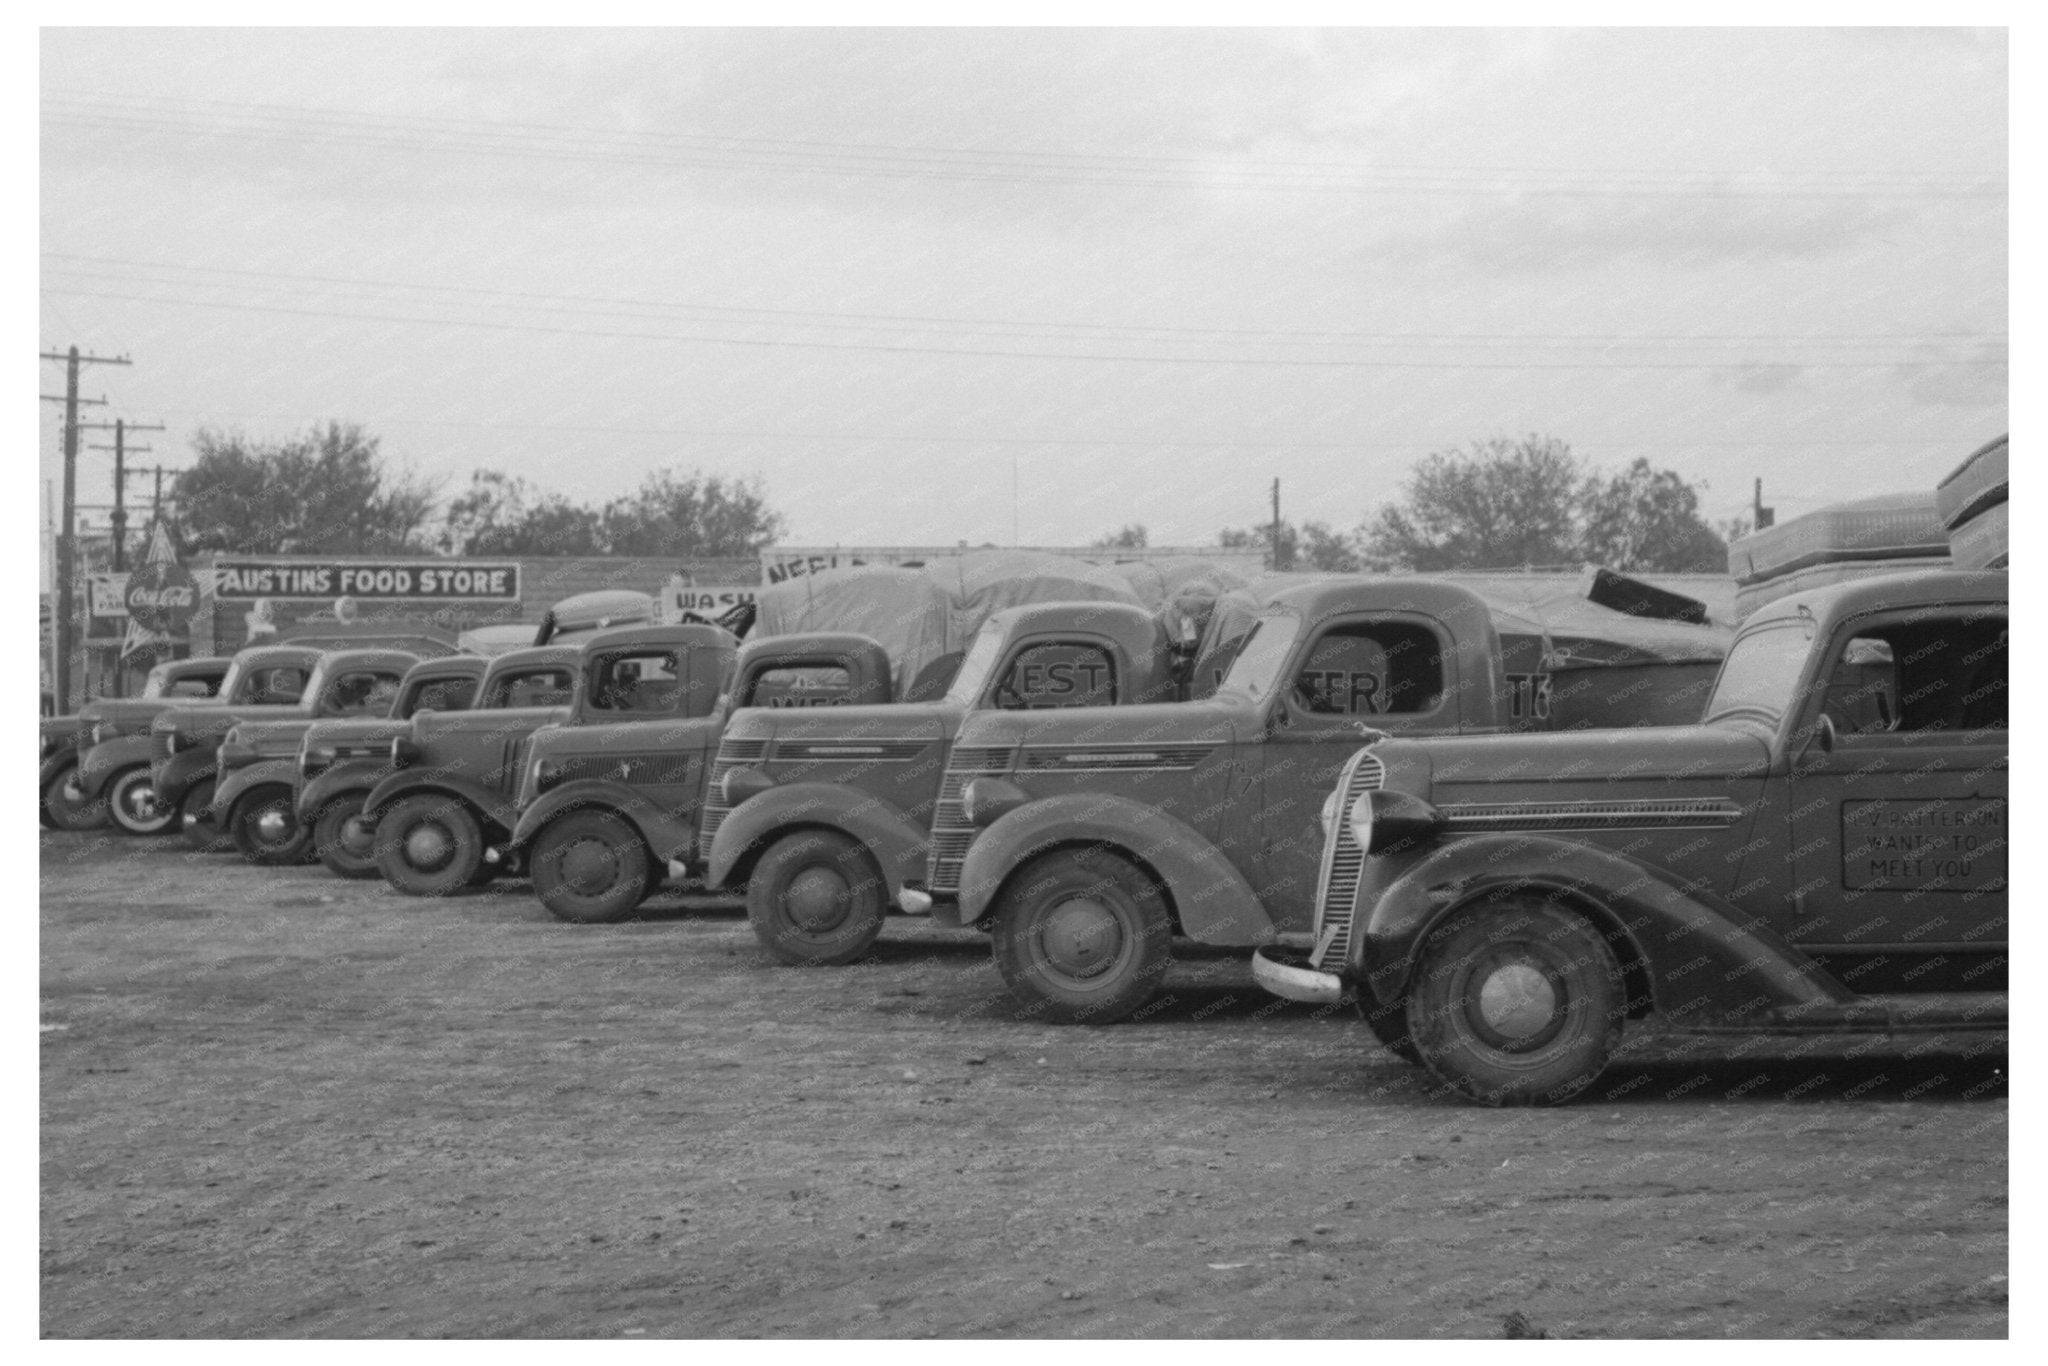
(1148, 270)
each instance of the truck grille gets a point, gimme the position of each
(732, 754)
(1343, 866)
(951, 834)
(160, 746)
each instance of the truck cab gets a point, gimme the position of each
(1084, 841)
(253, 798)
(1825, 851)
(279, 682)
(608, 809)
(70, 801)
(339, 762)
(443, 818)
(823, 812)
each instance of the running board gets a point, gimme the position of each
(1900, 1013)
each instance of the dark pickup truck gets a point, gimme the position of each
(1825, 851)
(67, 804)
(253, 789)
(285, 682)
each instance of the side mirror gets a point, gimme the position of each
(1824, 734)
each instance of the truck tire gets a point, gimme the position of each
(266, 829)
(590, 867)
(195, 818)
(1389, 1024)
(131, 804)
(1519, 1002)
(64, 807)
(345, 844)
(1082, 936)
(816, 899)
(429, 845)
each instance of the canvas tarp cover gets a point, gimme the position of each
(902, 610)
(984, 582)
(1585, 633)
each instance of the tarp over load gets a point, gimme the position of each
(982, 583)
(903, 610)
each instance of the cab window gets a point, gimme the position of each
(276, 687)
(812, 685)
(442, 694)
(361, 693)
(189, 687)
(1057, 674)
(644, 682)
(1927, 673)
(554, 686)
(1374, 668)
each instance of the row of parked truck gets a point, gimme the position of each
(1351, 774)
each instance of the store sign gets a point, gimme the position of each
(367, 581)
(162, 596)
(108, 594)
(677, 599)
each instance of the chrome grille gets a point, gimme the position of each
(1343, 866)
(732, 754)
(951, 834)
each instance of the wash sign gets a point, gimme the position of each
(369, 581)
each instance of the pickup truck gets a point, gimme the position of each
(443, 819)
(823, 813)
(66, 804)
(609, 808)
(1083, 841)
(1825, 851)
(283, 682)
(253, 796)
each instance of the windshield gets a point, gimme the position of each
(551, 685)
(977, 666)
(1255, 672)
(439, 694)
(1761, 672)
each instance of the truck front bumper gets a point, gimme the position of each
(1288, 975)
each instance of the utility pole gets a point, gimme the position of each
(1276, 526)
(120, 448)
(1760, 516)
(67, 549)
(156, 500)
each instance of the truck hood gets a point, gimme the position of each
(268, 739)
(459, 736)
(357, 731)
(1588, 759)
(894, 721)
(611, 737)
(130, 715)
(198, 723)
(1214, 721)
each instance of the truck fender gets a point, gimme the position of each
(98, 765)
(898, 845)
(1213, 902)
(53, 766)
(338, 781)
(1698, 956)
(414, 782)
(258, 774)
(182, 772)
(667, 836)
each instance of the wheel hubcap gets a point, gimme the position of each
(271, 825)
(1082, 937)
(356, 836)
(1517, 1004)
(817, 899)
(428, 846)
(590, 865)
(137, 800)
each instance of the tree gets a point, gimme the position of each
(1326, 550)
(502, 515)
(1504, 504)
(697, 516)
(1129, 537)
(327, 492)
(1645, 519)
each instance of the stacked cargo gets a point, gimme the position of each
(1973, 507)
(1886, 534)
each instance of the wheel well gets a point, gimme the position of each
(486, 823)
(1635, 970)
(743, 866)
(1128, 855)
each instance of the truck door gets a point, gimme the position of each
(1898, 800)
(662, 749)
(1384, 672)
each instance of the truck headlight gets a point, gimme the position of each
(1330, 814)
(741, 783)
(1361, 821)
(1382, 821)
(403, 751)
(99, 734)
(984, 801)
(546, 773)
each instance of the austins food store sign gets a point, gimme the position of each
(367, 580)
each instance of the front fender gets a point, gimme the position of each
(413, 782)
(667, 835)
(1213, 902)
(182, 772)
(339, 780)
(53, 768)
(898, 845)
(264, 772)
(1700, 956)
(98, 765)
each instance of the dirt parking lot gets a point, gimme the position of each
(278, 1104)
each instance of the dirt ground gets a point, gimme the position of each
(279, 1104)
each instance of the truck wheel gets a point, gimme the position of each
(429, 846)
(1389, 1024)
(1517, 1004)
(266, 828)
(195, 817)
(343, 840)
(1082, 936)
(817, 899)
(590, 867)
(131, 804)
(64, 807)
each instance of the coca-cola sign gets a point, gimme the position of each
(162, 597)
